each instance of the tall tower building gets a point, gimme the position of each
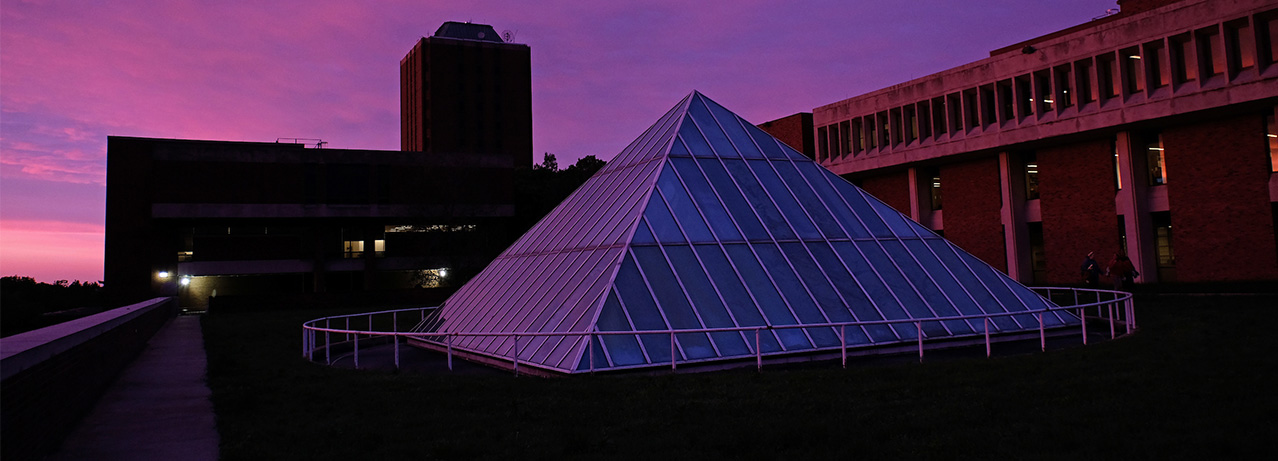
(466, 91)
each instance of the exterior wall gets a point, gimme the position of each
(973, 208)
(467, 96)
(270, 218)
(795, 131)
(1218, 187)
(1076, 185)
(891, 188)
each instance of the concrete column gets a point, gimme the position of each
(915, 207)
(1132, 201)
(1015, 232)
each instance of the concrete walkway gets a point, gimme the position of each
(159, 408)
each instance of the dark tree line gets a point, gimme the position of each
(27, 305)
(540, 189)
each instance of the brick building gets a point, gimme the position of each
(1148, 132)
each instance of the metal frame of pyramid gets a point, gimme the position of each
(704, 223)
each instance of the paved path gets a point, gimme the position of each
(159, 407)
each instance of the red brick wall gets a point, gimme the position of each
(892, 188)
(1076, 185)
(971, 204)
(795, 131)
(1218, 189)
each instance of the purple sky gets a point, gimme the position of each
(74, 72)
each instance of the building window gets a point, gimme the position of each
(1166, 257)
(911, 123)
(823, 143)
(1107, 72)
(934, 188)
(1271, 132)
(1156, 65)
(845, 138)
(1043, 92)
(858, 136)
(1267, 37)
(938, 116)
(871, 137)
(353, 249)
(885, 138)
(987, 105)
(1024, 97)
(1156, 159)
(1086, 88)
(1133, 70)
(897, 132)
(954, 112)
(1006, 101)
(971, 108)
(1064, 83)
(1031, 176)
(1242, 50)
(923, 114)
(1183, 59)
(1211, 52)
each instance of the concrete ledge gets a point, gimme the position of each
(54, 375)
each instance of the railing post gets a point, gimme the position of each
(1042, 333)
(1082, 315)
(1131, 313)
(395, 338)
(516, 355)
(448, 337)
(356, 350)
(758, 353)
(1111, 320)
(987, 336)
(328, 346)
(347, 336)
(920, 328)
(672, 350)
(590, 346)
(843, 344)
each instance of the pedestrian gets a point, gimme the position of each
(1091, 270)
(1122, 271)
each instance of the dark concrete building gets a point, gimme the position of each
(466, 91)
(1149, 132)
(211, 221)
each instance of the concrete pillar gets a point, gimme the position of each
(915, 206)
(1132, 201)
(1015, 232)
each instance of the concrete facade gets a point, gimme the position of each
(1143, 132)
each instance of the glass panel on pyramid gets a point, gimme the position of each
(707, 240)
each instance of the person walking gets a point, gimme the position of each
(1091, 271)
(1122, 271)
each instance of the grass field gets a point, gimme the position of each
(1197, 381)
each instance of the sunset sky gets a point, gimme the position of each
(74, 72)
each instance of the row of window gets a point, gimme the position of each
(1205, 58)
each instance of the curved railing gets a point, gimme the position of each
(322, 335)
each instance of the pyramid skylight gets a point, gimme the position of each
(706, 222)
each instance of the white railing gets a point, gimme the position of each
(1114, 308)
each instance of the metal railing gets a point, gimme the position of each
(1114, 308)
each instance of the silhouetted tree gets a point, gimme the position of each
(26, 304)
(540, 189)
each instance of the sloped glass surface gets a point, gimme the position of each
(706, 222)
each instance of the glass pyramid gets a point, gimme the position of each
(706, 222)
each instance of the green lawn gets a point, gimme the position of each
(1197, 381)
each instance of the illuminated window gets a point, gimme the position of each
(1163, 239)
(1064, 80)
(1154, 154)
(934, 187)
(1043, 92)
(183, 256)
(1031, 176)
(353, 249)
